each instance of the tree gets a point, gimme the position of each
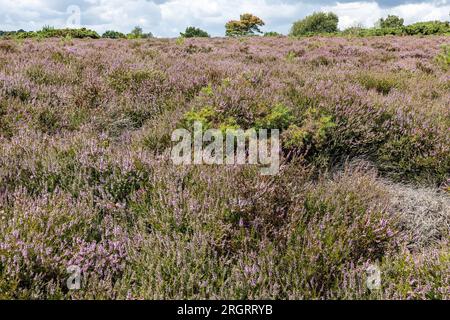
(272, 34)
(193, 32)
(318, 22)
(111, 34)
(247, 25)
(391, 22)
(138, 33)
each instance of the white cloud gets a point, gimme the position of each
(368, 13)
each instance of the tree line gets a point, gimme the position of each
(250, 25)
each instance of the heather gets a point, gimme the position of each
(86, 177)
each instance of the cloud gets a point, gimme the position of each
(368, 13)
(168, 17)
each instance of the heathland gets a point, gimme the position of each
(86, 177)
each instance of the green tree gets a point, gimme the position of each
(247, 25)
(318, 22)
(193, 32)
(136, 33)
(111, 34)
(272, 34)
(391, 22)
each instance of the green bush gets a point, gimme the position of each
(193, 32)
(391, 22)
(110, 34)
(382, 83)
(443, 59)
(318, 22)
(272, 34)
(48, 32)
(428, 28)
(138, 33)
(279, 117)
(420, 28)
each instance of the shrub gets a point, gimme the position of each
(110, 34)
(272, 34)
(205, 116)
(48, 32)
(428, 28)
(318, 22)
(390, 22)
(311, 135)
(138, 33)
(279, 117)
(192, 32)
(381, 83)
(443, 59)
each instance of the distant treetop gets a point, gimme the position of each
(247, 25)
(318, 22)
(390, 22)
(193, 32)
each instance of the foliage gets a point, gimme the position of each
(272, 34)
(318, 22)
(193, 32)
(49, 32)
(419, 28)
(138, 33)
(443, 59)
(110, 34)
(391, 21)
(247, 25)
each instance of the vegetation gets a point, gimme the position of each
(138, 33)
(318, 22)
(246, 26)
(391, 22)
(49, 32)
(110, 34)
(272, 34)
(193, 32)
(420, 28)
(86, 177)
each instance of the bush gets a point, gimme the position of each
(48, 32)
(192, 32)
(420, 28)
(380, 82)
(443, 59)
(391, 22)
(272, 34)
(138, 33)
(428, 28)
(110, 34)
(318, 22)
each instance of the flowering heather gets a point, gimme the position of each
(86, 177)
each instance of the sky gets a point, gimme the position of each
(167, 18)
